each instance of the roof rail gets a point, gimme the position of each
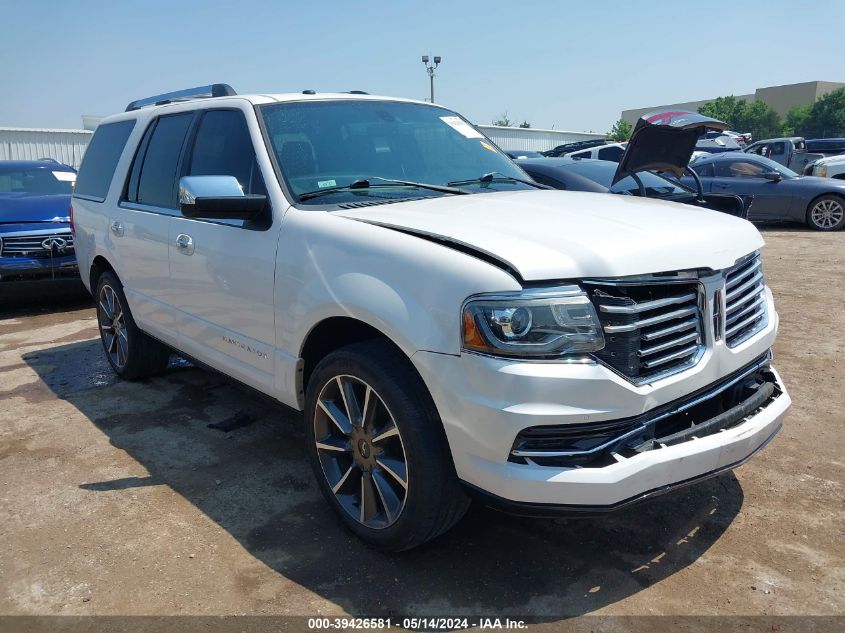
(200, 92)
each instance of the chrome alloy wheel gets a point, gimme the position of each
(361, 452)
(827, 213)
(112, 326)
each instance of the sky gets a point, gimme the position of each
(559, 65)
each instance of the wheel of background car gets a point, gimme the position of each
(131, 353)
(826, 213)
(378, 448)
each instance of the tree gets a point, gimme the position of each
(796, 121)
(525, 125)
(744, 116)
(503, 120)
(826, 117)
(620, 132)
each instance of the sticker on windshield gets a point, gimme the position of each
(458, 124)
(65, 176)
(487, 146)
(322, 184)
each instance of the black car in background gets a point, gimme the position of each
(779, 193)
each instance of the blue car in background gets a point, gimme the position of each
(36, 243)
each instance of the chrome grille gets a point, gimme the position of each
(31, 245)
(651, 330)
(745, 301)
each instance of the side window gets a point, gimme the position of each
(101, 158)
(223, 147)
(581, 154)
(705, 171)
(756, 149)
(611, 153)
(778, 149)
(157, 176)
(738, 169)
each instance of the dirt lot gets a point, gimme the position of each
(117, 498)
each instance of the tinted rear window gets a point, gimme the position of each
(101, 158)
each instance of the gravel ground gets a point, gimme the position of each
(117, 498)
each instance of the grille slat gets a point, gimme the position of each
(681, 327)
(30, 245)
(745, 302)
(651, 329)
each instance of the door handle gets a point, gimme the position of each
(185, 244)
(117, 228)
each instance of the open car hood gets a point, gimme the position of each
(664, 141)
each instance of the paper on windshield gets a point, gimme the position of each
(65, 176)
(458, 124)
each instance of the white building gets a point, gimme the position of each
(533, 139)
(65, 146)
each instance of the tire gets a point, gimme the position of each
(826, 213)
(131, 353)
(394, 456)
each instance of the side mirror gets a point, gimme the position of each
(774, 176)
(217, 198)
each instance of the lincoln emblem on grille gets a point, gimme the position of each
(54, 244)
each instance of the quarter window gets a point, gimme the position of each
(223, 147)
(101, 158)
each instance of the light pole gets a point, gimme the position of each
(429, 68)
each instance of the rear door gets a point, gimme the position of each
(223, 280)
(142, 230)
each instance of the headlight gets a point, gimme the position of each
(535, 323)
(822, 171)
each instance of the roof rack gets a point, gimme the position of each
(200, 92)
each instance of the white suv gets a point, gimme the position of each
(449, 328)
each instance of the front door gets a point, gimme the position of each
(222, 271)
(743, 176)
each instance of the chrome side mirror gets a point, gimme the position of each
(217, 198)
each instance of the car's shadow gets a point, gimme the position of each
(18, 305)
(255, 482)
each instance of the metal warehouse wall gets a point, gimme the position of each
(531, 138)
(65, 146)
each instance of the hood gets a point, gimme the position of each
(664, 141)
(830, 160)
(16, 208)
(552, 235)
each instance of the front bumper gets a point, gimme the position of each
(21, 275)
(485, 403)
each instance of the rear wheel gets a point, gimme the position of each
(131, 353)
(378, 448)
(826, 213)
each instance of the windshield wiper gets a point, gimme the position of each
(364, 183)
(495, 176)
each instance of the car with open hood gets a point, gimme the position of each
(659, 151)
(36, 243)
(450, 329)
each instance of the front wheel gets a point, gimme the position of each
(378, 448)
(826, 213)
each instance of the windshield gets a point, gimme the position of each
(40, 180)
(325, 145)
(602, 172)
(774, 166)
